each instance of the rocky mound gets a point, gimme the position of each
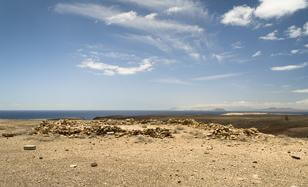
(113, 127)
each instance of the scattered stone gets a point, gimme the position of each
(93, 164)
(110, 133)
(8, 135)
(30, 147)
(295, 157)
(209, 147)
(73, 166)
(255, 176)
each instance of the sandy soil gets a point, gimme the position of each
(185, 160)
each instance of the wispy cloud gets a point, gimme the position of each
(237, 45)
(217, 77)
(107, 69)
(258, 53)
(171, 7)
(240, 15)
(131, 19)
(289, 67)
(223, 56)
(172, 81)
(271, 36)
(301, 91)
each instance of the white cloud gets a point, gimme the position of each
(258, 53)
(240, 15)
(126, 19)
(223, 56)
(150, 40)
(289, 67)
(278, 8)
(175, 9)
(296, 32)
(166, 43)
(294, 51)
(184, 7)
(300, 91)
(172, 81)
(271, 36)
(306, 45)
(268, 25)
(151, 16)
(279, 54)
(303, 102)
(216, 77)
(121, 18)
(237, 45)
(110, 70)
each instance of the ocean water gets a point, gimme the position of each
(88, 114)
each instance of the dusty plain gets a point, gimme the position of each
(187, 159)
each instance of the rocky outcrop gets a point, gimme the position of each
(153, 128)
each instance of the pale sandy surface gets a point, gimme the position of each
(243, 113)
(185, 160)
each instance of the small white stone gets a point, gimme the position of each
(73, 166)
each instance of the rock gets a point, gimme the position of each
(110, 133)
(73, 166)
(30, 147)
(93, 164)
(296, 157)
(255, 162)
(209, 147)
(8, 135)
(40, 157)
(255, 176)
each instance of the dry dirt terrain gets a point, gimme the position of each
(132, 155)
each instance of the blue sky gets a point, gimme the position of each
(154, 54)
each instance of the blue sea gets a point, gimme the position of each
(90, 114)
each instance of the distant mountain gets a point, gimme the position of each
(219, 110)
(275, 109)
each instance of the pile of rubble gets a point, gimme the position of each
(218, 131)
(113, 127)
(105, 127)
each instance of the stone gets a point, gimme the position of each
(40, 157)
(73, 166)
(93, 164)
(110, 133)
(8, 135)
(255, 162)
(296, 157)
(30, 147)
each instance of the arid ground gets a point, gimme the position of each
(190, 158)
